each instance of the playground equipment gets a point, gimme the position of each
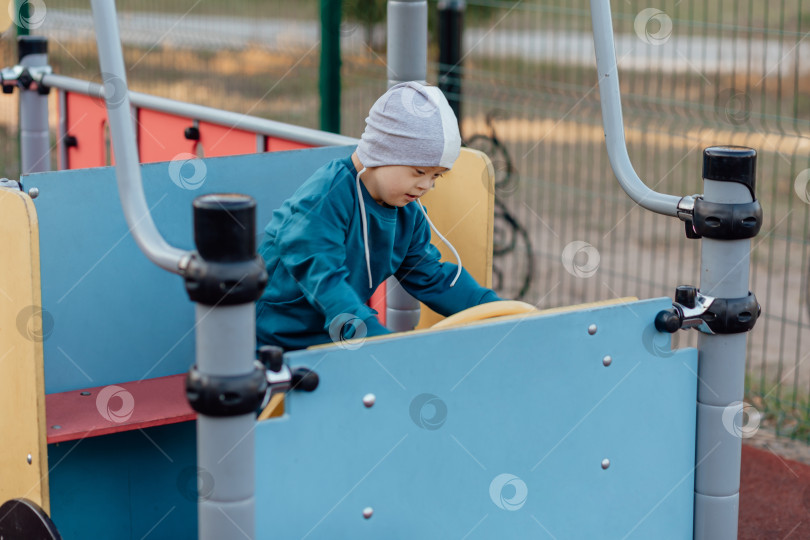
(576, 424)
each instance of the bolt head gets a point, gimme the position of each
(592, 329)
(607, 360)
(368, 512)
(369, 400)
(605, 463)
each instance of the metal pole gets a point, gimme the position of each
(612, 120)
(35, 153)
(329, 80)
(407, 41)
(729, 178)
(207, 114)
(407, 61)
(127, 169)
(227, 385)
(451, 28)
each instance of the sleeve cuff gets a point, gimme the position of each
(374, 328)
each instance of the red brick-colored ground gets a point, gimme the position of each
(774, 497)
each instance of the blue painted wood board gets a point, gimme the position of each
(115, 316)
(457, 410)
(128, 485)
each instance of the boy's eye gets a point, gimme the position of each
(420, 173)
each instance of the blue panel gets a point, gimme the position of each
(116, 316)
(128, 485)
(529, 399)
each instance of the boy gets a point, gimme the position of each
(357, 221)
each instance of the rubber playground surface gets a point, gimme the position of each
(774, 496)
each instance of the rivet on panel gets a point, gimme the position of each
(592, 329)
(369, 400)
(605, 463)
(367, 512)
(29, 459)
(607, 360)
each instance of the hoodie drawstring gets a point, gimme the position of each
(364, 222)
(445, 240)
(362, 204)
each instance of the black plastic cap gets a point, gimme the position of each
(225, 227)
(31, 45)
(667, 321)
(303, 378)
(272, 357)
(731, 164)
(686, 295)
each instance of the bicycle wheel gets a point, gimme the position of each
(505, 174)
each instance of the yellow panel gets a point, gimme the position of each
(274, 409)
(462, 207)
(22, 385)
(486, 311)
(513, 309)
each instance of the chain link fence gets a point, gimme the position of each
(693, 74)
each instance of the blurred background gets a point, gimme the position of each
(693, 73)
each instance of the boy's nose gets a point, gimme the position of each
(425, 185)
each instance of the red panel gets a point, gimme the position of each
(113, 408)
(377, 302)
(85, 120)
(274, 144)
(161, 136)
(224, 141)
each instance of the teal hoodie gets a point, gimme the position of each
(316, 262)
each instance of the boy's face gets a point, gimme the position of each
(397, 185)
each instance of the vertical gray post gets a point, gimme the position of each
(35, 151)
(407, 61)
(729, 178)
(407, 41)
(227, 385)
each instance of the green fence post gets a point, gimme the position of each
(23, 11)
(329, 80)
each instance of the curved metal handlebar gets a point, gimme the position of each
(127, 170)
(612, 120)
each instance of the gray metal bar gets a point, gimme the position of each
(208, 114)
(62, 132)
(612, 120)
(225, 343)
(721, 371)
(407, 41)
(407, 61)
(35, 150)
(127, 169)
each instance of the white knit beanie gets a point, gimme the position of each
(411, 124)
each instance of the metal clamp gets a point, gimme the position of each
(224, 284)
(29, 78)
(726, 221)
(686, 207)
(710, 315)
(720, 221)
(214, 395)
(281, 378)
